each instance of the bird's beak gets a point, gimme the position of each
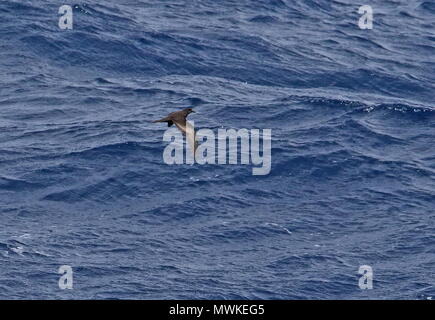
(193, 111)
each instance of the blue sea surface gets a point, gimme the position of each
(83, 182)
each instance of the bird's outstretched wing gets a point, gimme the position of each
(189, 131)
(181, 124)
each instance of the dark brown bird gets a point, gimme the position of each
(178, 118)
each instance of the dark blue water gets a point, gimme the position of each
(83, 183)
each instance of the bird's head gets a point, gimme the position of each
(188, 111)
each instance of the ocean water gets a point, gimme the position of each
(83, 182)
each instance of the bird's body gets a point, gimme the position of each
(178, 118)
